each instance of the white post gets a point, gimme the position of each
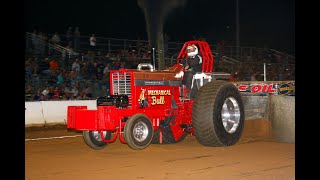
(264, 72)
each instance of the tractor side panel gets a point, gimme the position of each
(86, 119)
(177, 131)
(71, 116)
(108, 118)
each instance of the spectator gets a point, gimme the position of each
(76, 66)
(107, 69)
(123, 64)
(87, 91)
(253, 77)
(74, 92)
(44, 94)
(99, 74)
(52, 81)
(93, 42)
(55, 39)
(35, 67)
(37, 96)
(100, 65)
(73, 76)
(82, 96)
(106, 77)
(56, 93)
(76, 39)
(91, 69)
(53, 65)
(116, 65)
(69, 36)
(29, 93)
(42, 44)
(67, 91)
(99, 78)
(60, 78)
(28, 69)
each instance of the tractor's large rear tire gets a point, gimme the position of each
(167, 137)
(138, 131)
(218, 114)
(93, 139)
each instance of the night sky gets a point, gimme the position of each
(262, 22)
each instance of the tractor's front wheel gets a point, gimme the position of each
(93, 139)
(138, 131)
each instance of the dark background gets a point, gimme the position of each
(268, 23)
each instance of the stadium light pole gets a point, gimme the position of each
(237, 30)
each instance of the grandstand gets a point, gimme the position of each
(49, 74)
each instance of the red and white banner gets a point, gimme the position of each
(277, 88)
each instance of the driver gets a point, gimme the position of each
(191, 65)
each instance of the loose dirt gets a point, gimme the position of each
(255, 156)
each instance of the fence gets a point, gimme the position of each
(113, 45)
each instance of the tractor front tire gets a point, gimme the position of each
(93, 139)
(138, 131)
(218, 114)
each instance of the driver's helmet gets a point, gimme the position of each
(192, 50)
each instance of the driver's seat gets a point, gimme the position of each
(201, 78)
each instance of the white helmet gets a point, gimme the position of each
(192, 50)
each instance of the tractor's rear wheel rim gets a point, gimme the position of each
(230, 115)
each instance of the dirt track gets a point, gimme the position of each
(256, 156)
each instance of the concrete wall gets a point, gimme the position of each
(51, 112)
(282, 117)
(256, 106)
(279, 110)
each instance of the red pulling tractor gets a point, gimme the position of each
(149, 106)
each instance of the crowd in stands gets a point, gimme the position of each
(72, 81)
(84, 73)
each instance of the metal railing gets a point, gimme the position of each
(113, 45)
(34, 40)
